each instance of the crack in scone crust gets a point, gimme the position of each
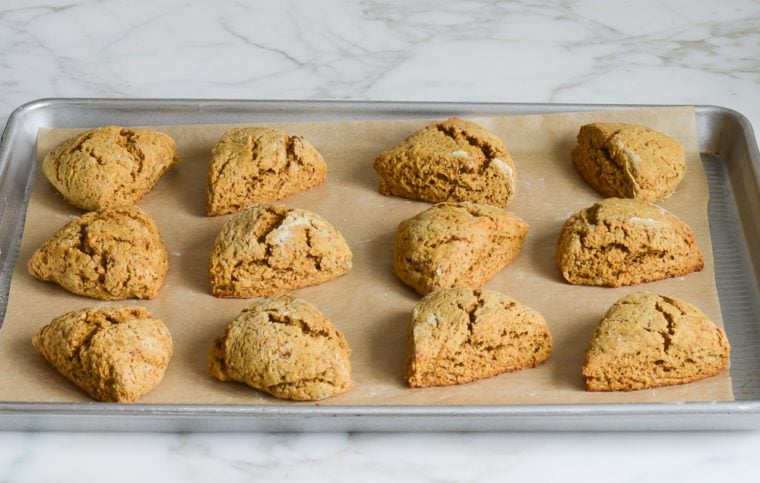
(620, 242)
(113, 354)
(269, 248)
(109, 255)
(255, 165)
(460, 335)
(109, 167)
(629, 161)
(647, 340)
(286, 347)
(456, 245)
(453, 160)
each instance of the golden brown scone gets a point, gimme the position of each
(625, 242)
(109, 166)
(453, 160)
(629, 161)
(270, 248)
(458, 335)
(109, 255)
(251, 165)
(648, 340)
(456, 245)
(115, 354)
(284, 346)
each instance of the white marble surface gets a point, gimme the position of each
(674, 52)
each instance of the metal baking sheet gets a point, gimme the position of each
(732, 165)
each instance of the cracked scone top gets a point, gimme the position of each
(115, 354)
(270, 248)
(453, 160)
(286, 347)
(113, 254)
(459, 335)
(109, 166)
(252, 165)
(629, 161)
(456, 245)
(647, 340)
(625, 242)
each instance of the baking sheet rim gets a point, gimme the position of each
(739, 407)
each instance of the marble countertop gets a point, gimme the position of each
(650, 52)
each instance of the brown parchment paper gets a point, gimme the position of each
(369, 304)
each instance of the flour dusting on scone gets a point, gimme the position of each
(109, 167)
(456, 245)
(625, 242)
(453, 160)
(270, 248)
(647, 340)
(251, 165)
(286, 347)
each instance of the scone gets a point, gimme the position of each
(270, 248)
(648, 340)
(453, 160)
(284, 346)
(251, 165)
(458, 335)
(109, 255)
(115, 354)
(625, 242)
(456, 245)
(629, 161)
(109, 166)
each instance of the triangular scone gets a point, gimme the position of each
(270, 248)
(114, 354)
(284, 346)
(625, 242)
(648, 340)
(109, 166)
(629, 161)
(456, 245)
(251, 165)
(109, 255)
(453, 160)
(459, 335)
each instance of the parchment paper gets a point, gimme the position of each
(369, 304)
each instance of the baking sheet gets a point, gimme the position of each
(369, 305)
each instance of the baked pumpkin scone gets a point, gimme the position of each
(109, 166)
(647, 340)
(629, 161)
(115, 354)
(286, 347)
(458, 335)
(251, 165)
(109, 255)
(625, 242)
(270, 248)
(453, 160)
(456, 245)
